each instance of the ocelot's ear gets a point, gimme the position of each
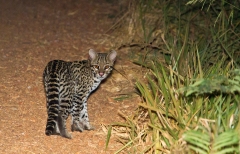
(112, 55)
(92, 54)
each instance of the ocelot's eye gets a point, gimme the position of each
(106, 67)
(96, 67)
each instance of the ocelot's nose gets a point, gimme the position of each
(101, 74)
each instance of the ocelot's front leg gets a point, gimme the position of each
(80, 120)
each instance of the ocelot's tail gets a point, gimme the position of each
(52, 94)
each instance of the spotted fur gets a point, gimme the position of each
(68, 86)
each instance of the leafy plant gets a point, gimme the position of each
(190, 101)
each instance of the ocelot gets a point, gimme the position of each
(68, 86)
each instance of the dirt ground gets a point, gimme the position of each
(35, 32)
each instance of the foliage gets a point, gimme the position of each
(190, 102)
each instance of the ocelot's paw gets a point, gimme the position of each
(66, 135)
(76, 127)
(79, 126)
(88, 127)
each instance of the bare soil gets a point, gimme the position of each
(35, 32)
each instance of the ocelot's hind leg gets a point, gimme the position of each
(80, 119)
(84, 119)
(62, 126)
(76, 108)
(75, 122)
(76, 127)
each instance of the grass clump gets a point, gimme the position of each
(190, 101)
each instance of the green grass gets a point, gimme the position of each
(190, 102)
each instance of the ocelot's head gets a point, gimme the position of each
(102, 63)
